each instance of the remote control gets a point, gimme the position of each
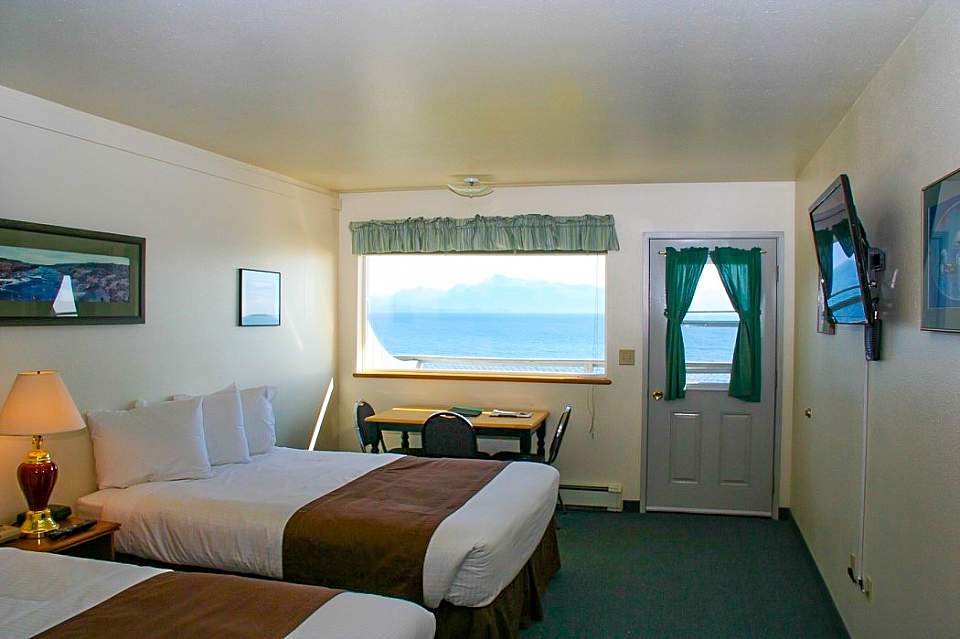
(64, 531)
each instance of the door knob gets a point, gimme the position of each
(658, 395)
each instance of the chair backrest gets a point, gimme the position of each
(367, 433)
(558, 436)
(447, 434)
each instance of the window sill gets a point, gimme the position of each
(531, 378)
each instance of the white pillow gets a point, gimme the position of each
(223, 426)
(259, 421)
(156, 443)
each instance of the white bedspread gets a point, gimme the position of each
(234, 521)
(40, 590)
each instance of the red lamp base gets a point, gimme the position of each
(37, 476)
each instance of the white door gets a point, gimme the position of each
(709, 452)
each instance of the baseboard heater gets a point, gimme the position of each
(594, 496)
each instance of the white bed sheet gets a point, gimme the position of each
(40, 590)
(234, 521)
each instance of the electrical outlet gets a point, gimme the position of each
(628, 357)
(868, 586)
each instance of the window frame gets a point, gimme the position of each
(466, 375)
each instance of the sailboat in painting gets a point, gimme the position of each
(64, 304)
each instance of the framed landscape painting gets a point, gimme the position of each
(52, 275)
(941, 255)
(259, 298)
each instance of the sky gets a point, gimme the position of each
(46, 258)
(710, 295)
(387, 274)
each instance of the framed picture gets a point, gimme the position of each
(52, 275)
(940, 288)
(259, 298)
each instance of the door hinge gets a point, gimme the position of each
(778, 273)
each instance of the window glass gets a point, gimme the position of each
(709, 331)
(529, 313)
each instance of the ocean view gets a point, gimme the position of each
(508, 335)
(521, 336)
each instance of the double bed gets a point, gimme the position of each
(500, 544)
(52, 596)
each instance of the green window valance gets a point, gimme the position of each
(532, 233)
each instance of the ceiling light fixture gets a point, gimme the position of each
(471, 188)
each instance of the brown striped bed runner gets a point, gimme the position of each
(372, 534)
(174, 605)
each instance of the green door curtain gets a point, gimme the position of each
(682, 274)
(740, 272)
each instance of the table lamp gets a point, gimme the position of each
(38, 404)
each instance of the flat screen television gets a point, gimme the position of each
(843, 255)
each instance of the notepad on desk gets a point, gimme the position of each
(496, 412)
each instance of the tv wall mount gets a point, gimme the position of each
(876, 265)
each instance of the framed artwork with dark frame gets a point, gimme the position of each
(54, 275)
(259, 298)
(940, 296)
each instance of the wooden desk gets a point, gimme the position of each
(410, 419)
(93, 543)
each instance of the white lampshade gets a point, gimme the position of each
(38, 404)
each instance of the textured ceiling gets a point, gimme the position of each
(369, 94)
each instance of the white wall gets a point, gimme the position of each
(902, 133)
(203, 217)
(613, 454)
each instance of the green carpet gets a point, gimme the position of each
(672, 575)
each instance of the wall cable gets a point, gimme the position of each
(864, 434)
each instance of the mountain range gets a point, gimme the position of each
(499, 294)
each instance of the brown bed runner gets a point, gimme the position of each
(174, 605)
(372, 534)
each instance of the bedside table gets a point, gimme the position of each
(93, 543)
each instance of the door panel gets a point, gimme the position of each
(685, 444)
(709, 452)
(735, 450)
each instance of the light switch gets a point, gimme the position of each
(628, 357)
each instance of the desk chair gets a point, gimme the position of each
(507, 455)
(370, 434)
(447, 434)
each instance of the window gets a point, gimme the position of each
(495, 313)
(709, 333)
